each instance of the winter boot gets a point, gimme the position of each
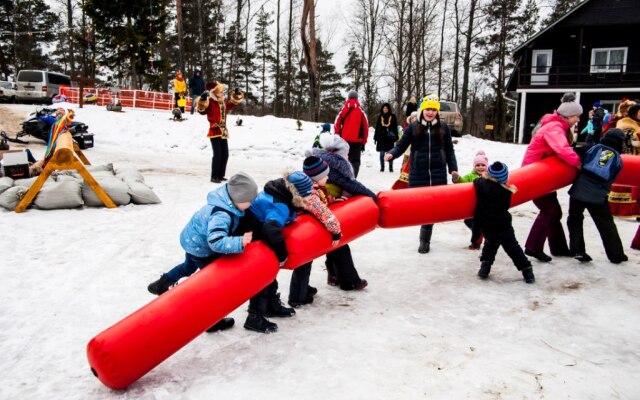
(538, 255)
(425, 239)
(296, 304)
(258, 323)
(276, 309)
(160, 286)
(527, 274)
(223, 324)
(332, 280)
(620, 259)
(485, 269)
(312, 291)
(582, 257)
(356, 286)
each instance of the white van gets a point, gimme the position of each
(39, 86)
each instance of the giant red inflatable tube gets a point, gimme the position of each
(132, 347)
(307, 239)
(630, 174)
(428, 205)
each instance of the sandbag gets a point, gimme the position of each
(96, 174)
(10, 198)
(117, 190)
(5, 183)
(59, 195)
(70, 177)
(142, 194)
(129, 175)
(27, 182)
(96, 168)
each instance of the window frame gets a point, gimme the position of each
(608, 68)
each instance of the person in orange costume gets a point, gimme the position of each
(213, 104)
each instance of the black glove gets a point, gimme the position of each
(362, 149)
(236, 90)
(204, 96)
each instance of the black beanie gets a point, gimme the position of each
(614, 138)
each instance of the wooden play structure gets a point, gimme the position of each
(64, 154)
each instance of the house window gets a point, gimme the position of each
(609, 60)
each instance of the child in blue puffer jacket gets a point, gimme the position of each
(208, 235)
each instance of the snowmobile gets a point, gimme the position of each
(39, 125)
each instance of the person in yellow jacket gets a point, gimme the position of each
(180, 91)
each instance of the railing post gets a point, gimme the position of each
(134, 98)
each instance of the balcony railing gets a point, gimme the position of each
(581, 76)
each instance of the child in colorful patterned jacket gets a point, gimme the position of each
(300, 292)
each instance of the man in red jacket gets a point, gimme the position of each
(351, 123)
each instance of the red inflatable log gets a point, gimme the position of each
(428, 205)
(630, 174)
(126, 351)
(307, 239)
(132, 347)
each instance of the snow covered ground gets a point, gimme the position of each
(425, 327)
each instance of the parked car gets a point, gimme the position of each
(450, 113)
(39, 86)
(7, 91)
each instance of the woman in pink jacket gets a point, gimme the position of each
(553, 138)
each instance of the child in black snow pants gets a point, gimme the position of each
(494, 220)
(590, 191)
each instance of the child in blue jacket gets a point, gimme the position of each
(208, 234)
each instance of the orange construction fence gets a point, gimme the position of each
(126, 97)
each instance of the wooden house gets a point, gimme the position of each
(593, 51)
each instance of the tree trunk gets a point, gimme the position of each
(411, 89)
(246, 51)
(72, 62)
(454, 83)
(466, 63)
(310, 58)
(234, 50)
(276, 97)
(290, 74)
(180, 35)
(444, 18)
(203, 45)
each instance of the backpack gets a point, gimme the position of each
(602, 162)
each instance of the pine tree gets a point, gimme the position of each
(33, 25)
(560, 8)
(125, 32)
(530, 19)
(354, 70)
(330, 83)
(503, 19)
(264, 50)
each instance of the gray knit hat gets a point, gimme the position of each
(352, 95)
(242, 188)
(569, 106)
